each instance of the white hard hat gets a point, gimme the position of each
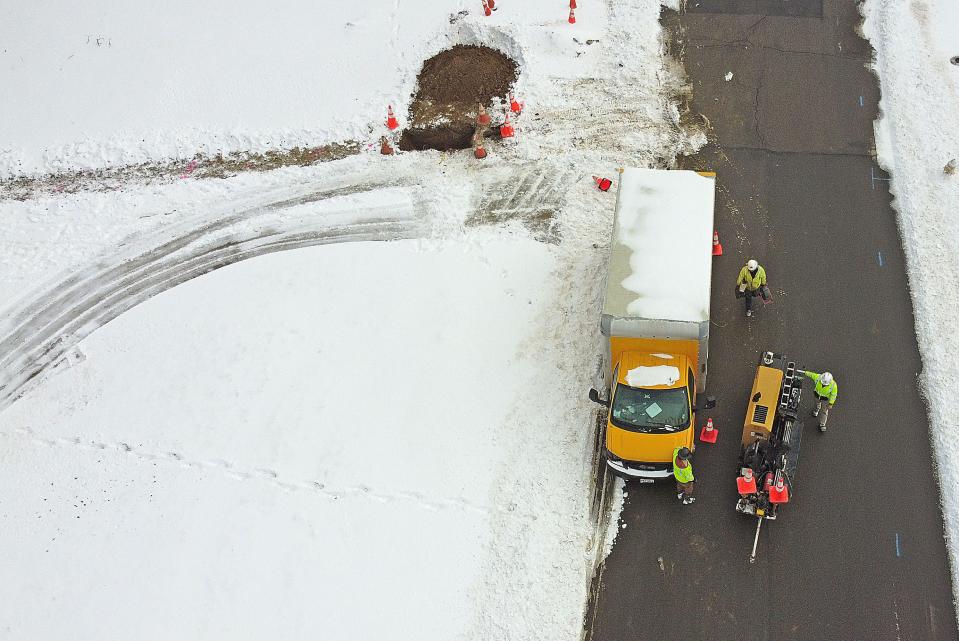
(751, 265)
(826, 378)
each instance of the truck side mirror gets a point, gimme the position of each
(594, 396)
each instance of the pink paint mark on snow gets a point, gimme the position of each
(189, 169)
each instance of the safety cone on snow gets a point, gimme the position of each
(486, 8)
(603, 183)
(717, 248)
(506, 129)
(572, 4)
(779, 493)
(492, 4)
(746, 484)
(572, 15)
(479, 152)
(385, 148)
(482, 118)
(709, 434)
(391, 118)
(514, 106)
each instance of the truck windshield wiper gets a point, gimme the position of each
(665, 426)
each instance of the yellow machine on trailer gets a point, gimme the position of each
(656, 318)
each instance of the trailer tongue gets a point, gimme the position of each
(770, 441)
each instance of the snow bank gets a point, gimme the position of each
(293, 426)
(916, 135)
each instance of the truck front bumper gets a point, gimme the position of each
(647, 472)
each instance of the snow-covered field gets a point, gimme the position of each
(916, 136)
(344, 400)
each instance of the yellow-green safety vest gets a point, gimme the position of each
(752, 282)
(682, 474)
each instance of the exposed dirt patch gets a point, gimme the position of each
(451, 86)
(218, 166)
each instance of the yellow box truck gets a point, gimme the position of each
(655, 320)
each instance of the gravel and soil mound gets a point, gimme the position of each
(451, 85)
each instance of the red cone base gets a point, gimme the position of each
(709, 433)
(603, 183)
(486, 9)
(506, 130)
(514, 106)
(746, 486)
(479, 152)
(777, 495)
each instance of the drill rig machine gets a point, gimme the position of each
(770, 442)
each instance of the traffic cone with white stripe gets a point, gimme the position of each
(746, 484)
(709, 433)
(717, 247)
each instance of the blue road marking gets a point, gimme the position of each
(880, 258)
(898, 551)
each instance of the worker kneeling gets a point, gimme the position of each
(683, 471)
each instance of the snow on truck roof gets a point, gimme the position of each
(660, 255)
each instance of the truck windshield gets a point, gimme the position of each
(654, 411)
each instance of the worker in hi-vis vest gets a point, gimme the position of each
(752, 282)
(825, 391)
(683, 471)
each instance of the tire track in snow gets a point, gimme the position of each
(35, 338)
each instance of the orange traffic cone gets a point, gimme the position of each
(492, 4)
(572, 15)
(717, 248)
(385, 147)
(483, 118)
(746, 484)
(603, 183)
(572, 4)
(506, 129)
(779, 493)
(391, 118)
(479, 152)
(486, 8)
(709, 433)
(514, 106)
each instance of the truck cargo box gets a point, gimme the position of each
(660, 264)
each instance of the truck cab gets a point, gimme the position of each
(651, 413)
(655, 321)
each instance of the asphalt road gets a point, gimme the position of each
(859, 554)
